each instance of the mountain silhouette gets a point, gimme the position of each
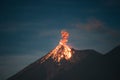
(83, 65)
(112, 59)
(95, 67)
(115, 51)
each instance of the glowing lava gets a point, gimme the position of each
(62, 51)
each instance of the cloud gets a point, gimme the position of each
(110, 3)
(22, 26)
(95, 25)
(7, 27)
(90, 25)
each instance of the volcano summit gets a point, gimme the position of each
(62, 51)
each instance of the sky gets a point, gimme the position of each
(30, 29)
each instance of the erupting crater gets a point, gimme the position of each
(62, 50)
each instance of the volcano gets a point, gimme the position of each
(65, 63)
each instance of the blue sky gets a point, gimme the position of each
(30, 29)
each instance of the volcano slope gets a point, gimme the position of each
(83, 65)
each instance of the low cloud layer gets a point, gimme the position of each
(96, 26)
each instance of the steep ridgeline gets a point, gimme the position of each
(83, 65)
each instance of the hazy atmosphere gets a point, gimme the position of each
(30, 29)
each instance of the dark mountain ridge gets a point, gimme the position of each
(115, 51)
(83, 65)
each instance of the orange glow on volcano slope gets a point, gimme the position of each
(62, 50)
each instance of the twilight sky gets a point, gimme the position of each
(30, 29)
